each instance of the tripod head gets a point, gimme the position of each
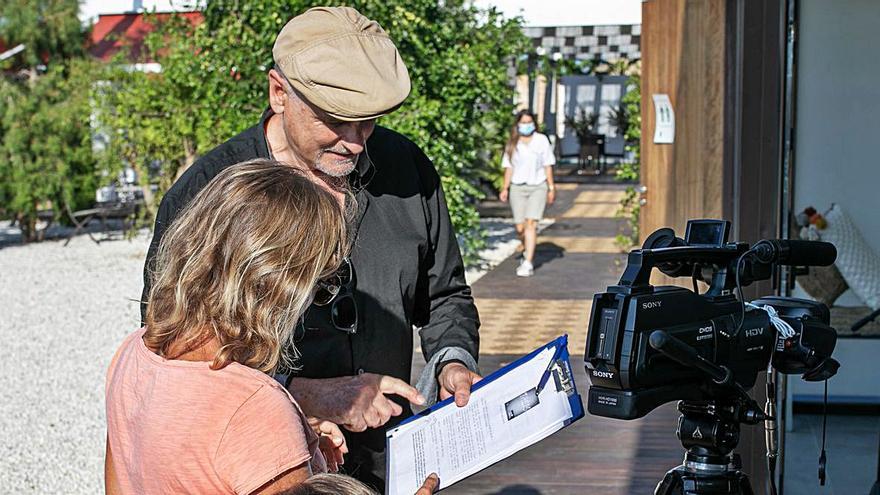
(708, 430)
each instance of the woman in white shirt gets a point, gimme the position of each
(528, 175)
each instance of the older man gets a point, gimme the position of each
(336, 72)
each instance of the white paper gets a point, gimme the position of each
(664, 120)
(455, 442)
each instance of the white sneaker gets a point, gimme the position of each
(525, 269)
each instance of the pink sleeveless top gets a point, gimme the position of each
(178, 426)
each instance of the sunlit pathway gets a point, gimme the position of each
(576, 257)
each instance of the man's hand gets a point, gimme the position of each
(353, 402)
(332, 443)
(503, 195)
(456, 379)
(430, 485)
(551, 195)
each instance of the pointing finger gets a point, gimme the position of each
(391, 385)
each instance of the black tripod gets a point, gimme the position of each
(875, 490)
(864, 321)
(710, 431)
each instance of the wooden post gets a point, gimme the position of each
(720, 62)
(683, 48)
(753, 159)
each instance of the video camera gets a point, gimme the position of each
(633, 323)
(648, 345)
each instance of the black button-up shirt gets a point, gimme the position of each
(407, 265)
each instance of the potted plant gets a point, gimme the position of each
(619, 119)
(584, 127)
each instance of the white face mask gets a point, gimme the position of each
(525, 129)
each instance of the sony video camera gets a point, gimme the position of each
(650, 345)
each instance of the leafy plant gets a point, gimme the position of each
(548, 66)
(620, 67)
(629, 171)
(619, 118)
(583, 124)
(46, 160)
(213, 85)
(159, 123)
(49, 30)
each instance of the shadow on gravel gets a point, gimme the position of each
(113, 230)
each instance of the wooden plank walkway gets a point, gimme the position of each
(576, 257)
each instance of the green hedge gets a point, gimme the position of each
(46, 160)
(213, 85)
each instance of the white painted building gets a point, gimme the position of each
(89, 10)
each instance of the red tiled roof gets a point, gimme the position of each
(113, 32)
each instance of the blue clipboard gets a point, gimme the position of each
(561, 358)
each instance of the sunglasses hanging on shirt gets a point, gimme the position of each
(337, 291)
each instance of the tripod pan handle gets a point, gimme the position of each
(688, 356)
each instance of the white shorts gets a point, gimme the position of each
(528, 201)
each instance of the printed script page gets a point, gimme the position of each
(501, 418)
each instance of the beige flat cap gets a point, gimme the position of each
(343, 63)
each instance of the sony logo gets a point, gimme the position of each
(650, 304)
(754, 332)
(603, 374)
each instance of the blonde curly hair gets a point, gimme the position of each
(240, 263)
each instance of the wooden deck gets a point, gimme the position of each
(576, 257)
(592, 456)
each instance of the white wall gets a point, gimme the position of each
(857, 378)
(535, 12)
(89, 10)
(837, 127)
(569, 12)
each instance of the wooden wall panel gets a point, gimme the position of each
(683, 55)
(720, 62)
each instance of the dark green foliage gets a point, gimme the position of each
(629, 172)
(49, 29)
(583, 125)
(213, 85)
(46, 155)
(46, 162)
(619, 118)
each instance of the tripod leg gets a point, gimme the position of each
(670, 484)
(745, 488)
(731, 483)
(864, 321)
(875, 490)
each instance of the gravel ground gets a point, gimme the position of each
(64, 312)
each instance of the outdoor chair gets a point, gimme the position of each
(615, 147)
(113, 203)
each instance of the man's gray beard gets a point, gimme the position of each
(335, 171)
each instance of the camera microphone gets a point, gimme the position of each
(795, 252)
